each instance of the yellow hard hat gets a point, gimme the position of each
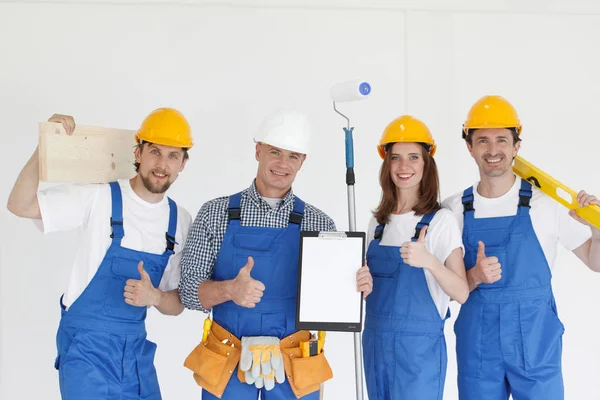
(166, 126)
(406, 129)
(491, 112)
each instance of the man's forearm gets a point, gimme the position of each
(23, 197)
(213, 293)
(594, 253)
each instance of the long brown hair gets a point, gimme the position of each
(429, 192)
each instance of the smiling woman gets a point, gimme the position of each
(407, 151)
(415, 255)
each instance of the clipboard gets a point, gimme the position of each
(327, 299)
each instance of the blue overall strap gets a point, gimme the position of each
(297, 213)
(379, 232)
(525, 194)
(467, 200)
(425, 221)
(116, 219)
(172, 230)
(234, 212)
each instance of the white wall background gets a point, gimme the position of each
(227, 64)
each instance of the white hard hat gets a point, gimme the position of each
(285, 129)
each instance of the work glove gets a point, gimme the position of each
(270, 380)
(261, 361)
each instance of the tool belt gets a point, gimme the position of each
(214, 360)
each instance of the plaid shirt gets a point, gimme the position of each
(208, 230)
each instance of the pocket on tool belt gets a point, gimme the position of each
(305, 374)
(212, 363)
(310, 371)
(205, 363)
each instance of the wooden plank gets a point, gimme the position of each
(90, 155)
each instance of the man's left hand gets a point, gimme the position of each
(141, 293)
(584, 199)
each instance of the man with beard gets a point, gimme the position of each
(241, 261)
(508, 333)
(127, 260)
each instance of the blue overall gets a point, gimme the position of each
(403, 341)
(102, 348)
(275, 252)
(508, 334)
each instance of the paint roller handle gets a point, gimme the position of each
(350, 177)
(349, 149)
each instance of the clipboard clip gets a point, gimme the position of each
(333, 235)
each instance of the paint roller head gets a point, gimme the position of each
(350, 91)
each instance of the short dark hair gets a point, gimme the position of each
(515, 135)
(141, 146)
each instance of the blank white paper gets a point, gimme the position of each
(328, 286)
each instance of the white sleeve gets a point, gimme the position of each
(445, 235)
(454, 204)
(65, 207)
(571, 233)
(172, 274)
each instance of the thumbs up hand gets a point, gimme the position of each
(141, 292)
(486, 269)
(246, 291)
(416, 254)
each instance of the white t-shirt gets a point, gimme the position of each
(442, 237)
(551, 221)
(88, 207)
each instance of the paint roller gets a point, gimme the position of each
(341, 93)
(350, 91)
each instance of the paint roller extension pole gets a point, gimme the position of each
(343, 92)
(350, 180)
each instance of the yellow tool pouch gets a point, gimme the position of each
(305, 374)
(213, 361)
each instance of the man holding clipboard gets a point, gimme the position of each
(241, 261)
